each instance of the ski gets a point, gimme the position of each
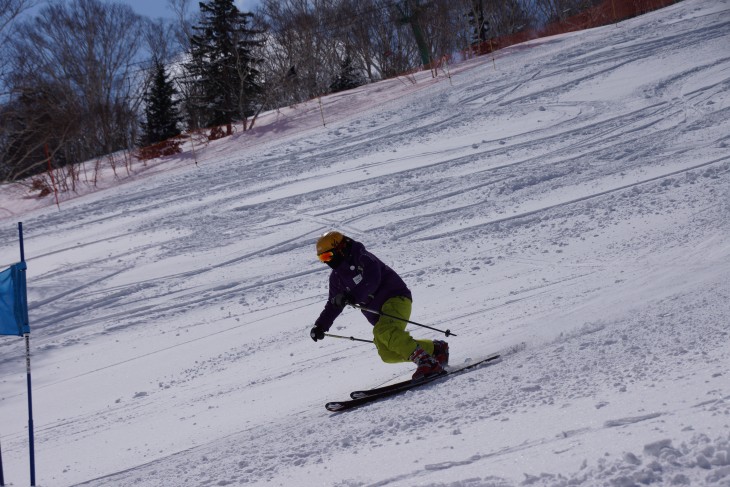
(399, 385)
(367, 396)
(390, 391)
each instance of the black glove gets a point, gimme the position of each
(317, 333)
(341, 300)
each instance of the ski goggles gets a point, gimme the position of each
(327, 255)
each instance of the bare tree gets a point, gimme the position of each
(29, 131)
(185, 18)
(309, 42)
(75, 64)
(10, 10)
(298, 34)
(380, 36)
(160, 40)
(559, 10)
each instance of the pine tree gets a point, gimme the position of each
(223, 64)
(347, 78)
(161, 112)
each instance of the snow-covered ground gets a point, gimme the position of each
(566, 203)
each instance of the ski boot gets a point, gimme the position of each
(441, 352)
(427, 365)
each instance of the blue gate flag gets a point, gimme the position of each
(13, 301)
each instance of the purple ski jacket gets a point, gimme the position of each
(368, 282)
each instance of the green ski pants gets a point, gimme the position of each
(393, 342)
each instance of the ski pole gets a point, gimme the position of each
(348, 338)
(363, 308)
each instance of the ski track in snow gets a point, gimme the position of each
(567, 204)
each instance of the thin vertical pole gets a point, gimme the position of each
(2, 478)
(192, 144)
(321, 110)
(31, 440)
(20, 235)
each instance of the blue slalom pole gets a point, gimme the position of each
(2, 478)
(20, 238)
(31, 440)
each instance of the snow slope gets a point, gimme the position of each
(566, 203)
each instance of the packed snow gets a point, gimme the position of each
(565, 202)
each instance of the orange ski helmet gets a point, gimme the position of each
(328, 244)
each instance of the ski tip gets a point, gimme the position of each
(334, 406)
(493, 356)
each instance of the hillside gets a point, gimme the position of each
(565, 203)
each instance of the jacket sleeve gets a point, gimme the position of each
(330, 311)
(371, 277)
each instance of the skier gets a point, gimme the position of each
(358, 277)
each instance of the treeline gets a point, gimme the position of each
(86, 78)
